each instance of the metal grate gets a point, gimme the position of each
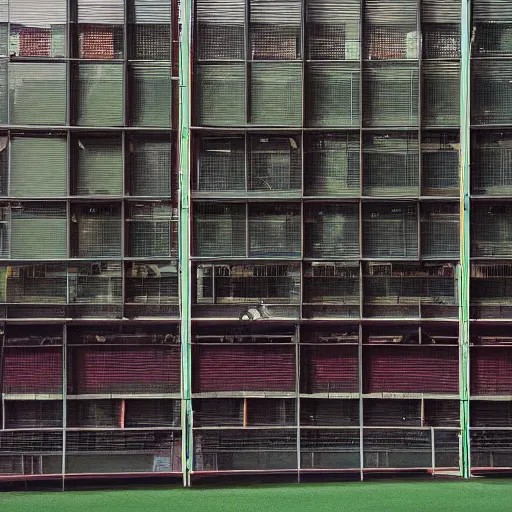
(274, 230)
(100, 41)
(220, 164)
(491, 414)
(33, 414)
(491, 230)
(150, 42)
(332, 165)
(324, 412)
(390, 230)
(220, 93)
(440, 230)
(152, 230)
(216, 412)
(491, 449)
(492, 28)
(274, 164)
(442, 413)
(391, 92)
(333, 30)
(441, 28)
(491, 371)
(332, 231)
(332, 94)
(492, 163)
(95, 283)
(392, 413)
(491, 290)
(441, 84)
(219, 230)
(391, 164)
(440, 164)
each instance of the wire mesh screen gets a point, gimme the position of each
(96, 231)
(33, 414)
(397, 449)
(325, 412)
(219, 230)
(220, 164)
(38, 230)
(274, 230)
(391, 92)
(4, 164)
(30, 453)
(440, 164)
(274, 412)
(491, 230)
(216, 412)
(331, 231)
(100, 41)
(491, 371)
(274, 164)
(491, 291)
(391, 164)
(329, 449)
(491, 414)
(333, 30)
(4, 90)
(390, 230)
(491, 449)
(150, 167)
(152, 230)
(441, 84)
(491, 94)
(220, 93)
(95, 283)
(332, 165)
(442, 413)
(492, 29)
(332, 94)
(245, 450)
(276, 93)
(441, 29)
(492, 163)
(150, 42)
(440, 230)
(93, 452)
(392, 413)
(220, 29)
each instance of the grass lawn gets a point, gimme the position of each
(429, 496)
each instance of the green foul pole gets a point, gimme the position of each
(184, 249)
(464, 267)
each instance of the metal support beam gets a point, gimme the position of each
(464, 267)
(184, 249)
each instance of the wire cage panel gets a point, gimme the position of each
(441, 29)
(331, 230)
(440, 230)
(152, 230)
(117, 369)
(491, 414)
(219, 229)
(397, 449)
(390, 230)
(329, 369)
(32, 370)
(274, 30)
(412, 369)
(220, 165)
(96, 231)
(442, 413)
(491, 290)
(491, 95)
(245, 450)
(91, 452)
(38, 167)
(151, 95)
(217, 412)
(275, 93)
(95, 283)
(490, 449)
(150, 167)
(492, 163)
(491, 371)
(391, 164)
(441, 84)
(274, 164)
(329, 449)
(391, 91)
(332, 165)
(491, 230)
(249, 368)
(100, 41)
(274, 230)
(440, 164)
(30, 453)
(220, 93)
(38, 231)
(33, 414)
(99, 94)
(392, 413)
(4, 231)
(492, 29)
(37, 93)
(99, 166)
(446, 449)
(220, 28)
(390, 30)
(329, 412)
(332, 94)
(333, 30)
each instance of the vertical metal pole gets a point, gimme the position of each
(184, 249)
(463, 271)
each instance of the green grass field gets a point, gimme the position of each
(435, 496)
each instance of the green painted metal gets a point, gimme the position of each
(464, 267)
(184, 251)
